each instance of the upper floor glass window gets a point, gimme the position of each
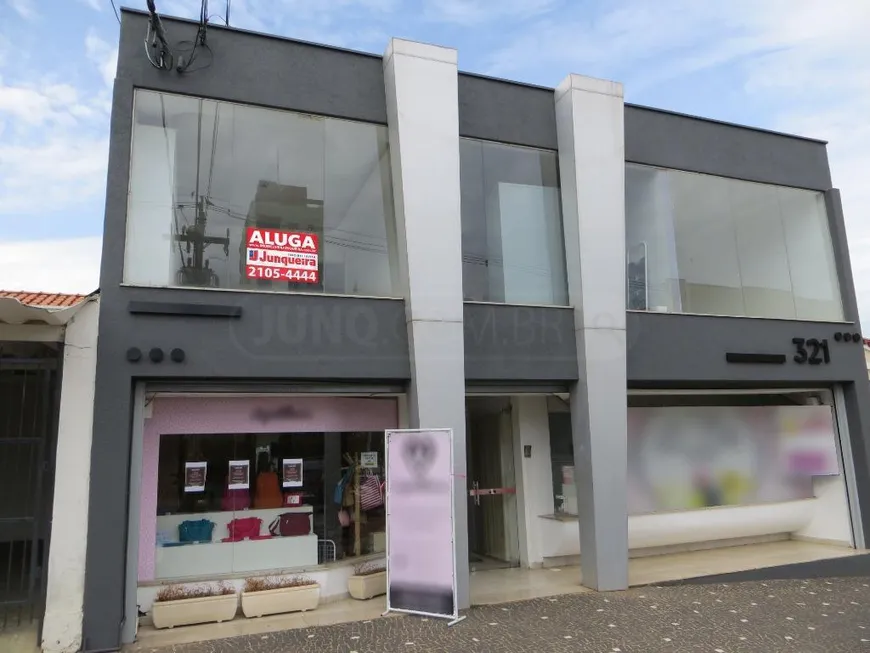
(224, 195)
(710, 245)
(513, 247)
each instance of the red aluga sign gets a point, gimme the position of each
(279, 255)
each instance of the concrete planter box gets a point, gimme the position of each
(185, 612)
(368, 586)
(286, 599)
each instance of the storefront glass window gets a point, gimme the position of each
(689, 456)
(562, 456)
(710, 245)
(224, 195)
(513, 247)
(230, 504)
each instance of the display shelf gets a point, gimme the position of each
(217, 558)
(168, 524)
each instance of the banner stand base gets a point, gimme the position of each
(452, 621)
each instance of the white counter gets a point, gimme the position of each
(218, 558)
(168, 524)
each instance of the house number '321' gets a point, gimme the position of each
(812, 351)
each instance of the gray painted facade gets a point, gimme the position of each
(236, 337)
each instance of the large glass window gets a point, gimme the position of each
(224, 195)
(709, 245)
(258, 503)
(692, 452)
(513, 247)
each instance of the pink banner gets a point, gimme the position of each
(420, 554)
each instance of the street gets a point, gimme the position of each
(805, 616)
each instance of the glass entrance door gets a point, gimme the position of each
(492, 515)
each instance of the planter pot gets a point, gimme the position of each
(184, 612)
(286, 599)
(368, 586)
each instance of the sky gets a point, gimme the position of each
(799, 66)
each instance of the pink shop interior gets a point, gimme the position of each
(239, 486)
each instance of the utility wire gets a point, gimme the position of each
(157, 49)
(115, 9)
(198, 42)
(154, 36)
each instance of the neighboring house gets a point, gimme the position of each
(48, 347)
(626, 316)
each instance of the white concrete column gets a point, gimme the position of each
(62, 624)
(589, 124)
(534, 474)
(423, 119)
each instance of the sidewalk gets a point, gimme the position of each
(803, 616)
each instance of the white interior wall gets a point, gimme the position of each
(148, 254)
(761, 250)
(62, 624)
(534, 480)
(706, 246)
(355, 207)
(508, 476)
(649, 219)
(527, 240)
(810, 254)
(829, 521)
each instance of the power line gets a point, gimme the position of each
(115, 9)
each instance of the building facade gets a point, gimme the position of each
(48, 352)
(622, 313)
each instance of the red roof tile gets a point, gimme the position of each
(43, 299)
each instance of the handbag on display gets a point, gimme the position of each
(291, 524)
(236, 500)
(244, 527)
(370, 495)
(268, 492)
(195, 530)
(341, 486)
(344, 518)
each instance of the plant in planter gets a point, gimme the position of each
(369, 580)
(183, 605)
(275, 595)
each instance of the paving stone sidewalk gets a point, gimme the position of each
(824, 616)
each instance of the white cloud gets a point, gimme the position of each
(475, 12)
(57, 174)
(67, 266)
(25, 8)
(103, 55)
(40, 104)
(53, 154)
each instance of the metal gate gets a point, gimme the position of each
(28, 427)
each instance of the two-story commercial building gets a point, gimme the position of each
(641, 326)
